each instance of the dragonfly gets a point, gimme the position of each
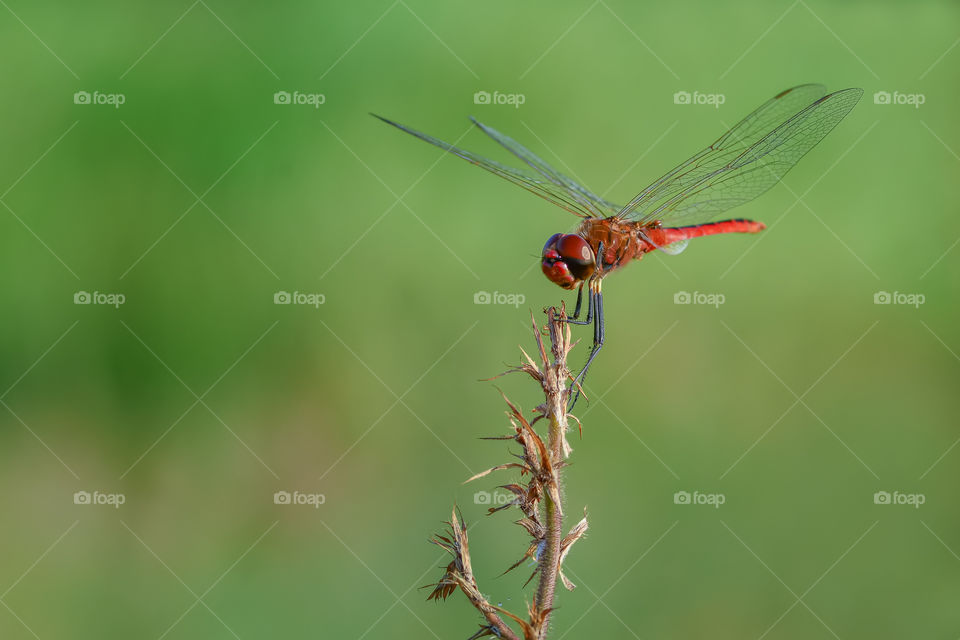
(681, 205)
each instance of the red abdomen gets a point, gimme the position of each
(674, 234)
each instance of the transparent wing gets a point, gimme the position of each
(547, 189)
(600, 207)
(746, 161)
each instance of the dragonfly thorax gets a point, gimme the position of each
(567, 260)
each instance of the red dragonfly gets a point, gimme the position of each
(742, 164)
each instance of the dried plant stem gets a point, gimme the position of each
(549, 561)
(554, 387)
(539, 498)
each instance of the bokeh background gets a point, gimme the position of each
(198, 398)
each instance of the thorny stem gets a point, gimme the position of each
(539, 499)
(554, 386)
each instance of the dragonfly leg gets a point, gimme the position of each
(591, 302)
(574, 319)
(599, 333)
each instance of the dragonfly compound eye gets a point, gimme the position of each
(567, 260)
(551, 243)
(575, 251)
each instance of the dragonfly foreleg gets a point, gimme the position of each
(591, 302)
(574, 319)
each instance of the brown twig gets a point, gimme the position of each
(460, 574)
(540, 499)
(554, 378)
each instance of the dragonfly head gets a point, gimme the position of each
(567, 260)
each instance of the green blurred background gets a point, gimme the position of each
(197, 399)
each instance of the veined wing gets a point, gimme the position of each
(600, 208)
(559, 195)
(746, 161)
